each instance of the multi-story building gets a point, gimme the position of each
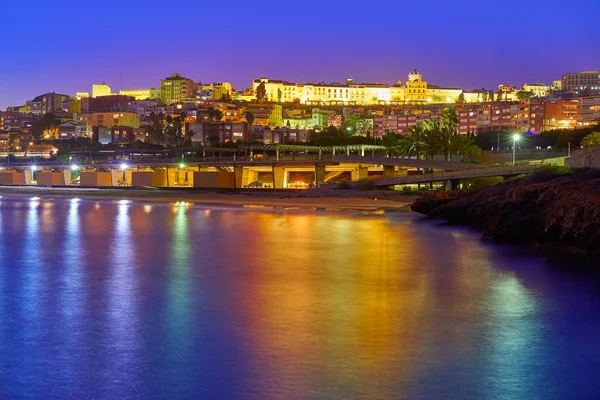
(177, 88)
(140, 106)
(109, 120)
(520, 117)
(101, 89)
(48, 103)
(536, 115)
(467, 121)
(416, 90)
(213, 131)
(267, 114)
(560, 114)
(585, 83)
(141, 94)
(589, 111)
(112, 103)
(538, 89)
(71, 129)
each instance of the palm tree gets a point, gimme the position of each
(413, 144)
(448, 129)
(430, 138)
(156, 128)
(391, 143)
(465, 146)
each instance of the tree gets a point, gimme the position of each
(592, 139)
(249, 117)
(391, 143)
(523, 95)
(448, 128)
(350, 122)
(46, 126)
(430, 138)
(261, 92)
(461, 98)
(173, 132)
(156, 128)
(218, 115)
(465, 146)
(279, 94)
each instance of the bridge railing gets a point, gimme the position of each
(491, 170)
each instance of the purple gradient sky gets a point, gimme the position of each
(66, 46)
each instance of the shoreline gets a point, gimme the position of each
(346, 200)
(552, 210)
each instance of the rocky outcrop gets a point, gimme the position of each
(545, 208)
(588, 157)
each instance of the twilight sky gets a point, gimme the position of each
(67, 45)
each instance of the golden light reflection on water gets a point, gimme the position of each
(333, 278)
(362, 295)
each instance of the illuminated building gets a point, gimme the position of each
(48, 103)
(415, 90)
(560, 114)
(74, 106)
(101, 89)
(110, 119)
(70, 129)
(139, 94)
(81, 95)
(507, 93)
(589, 110)
(583, 83)
(266, 114)
(519, 114)
(218, 90)
(215, 131)
(177, 88)
(557, 85)
(538, 89)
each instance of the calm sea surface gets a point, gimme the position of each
(117, 300)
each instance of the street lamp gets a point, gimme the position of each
(515, 137)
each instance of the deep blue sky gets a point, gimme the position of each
(68, 45)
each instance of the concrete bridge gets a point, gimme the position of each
(453, 178)
(229, 173)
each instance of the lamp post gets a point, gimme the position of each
(515, 137)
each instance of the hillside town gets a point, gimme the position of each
(182, 111)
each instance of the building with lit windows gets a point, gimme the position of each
(177, 88)
(588, 110)
(414, 91)
(109, 120)
(266, 114)
(538, 89)
(48, 103)
(141, 94)
(560, 114)
(585, 83)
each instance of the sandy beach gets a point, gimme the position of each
(310, 199)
